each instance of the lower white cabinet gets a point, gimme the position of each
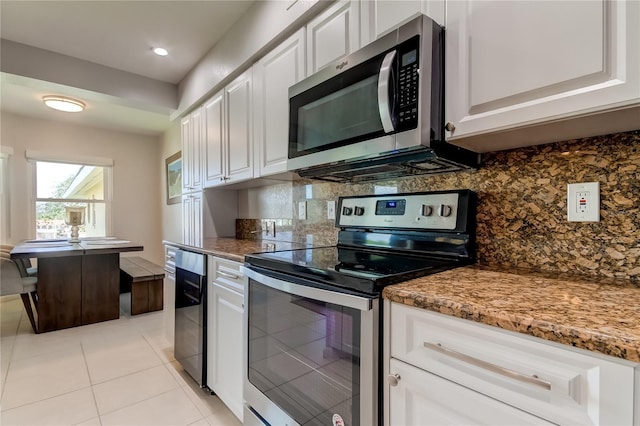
(424, 399)
(225, 297)
(446, 370)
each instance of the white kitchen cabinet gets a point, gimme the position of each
(239, 128)
(272, 77)
(228, 133)
(553, 382)
(333, 34)
(169, 293)
(379, 16)
(225, 300)
(192, 219)
(214, 140)
(191, 133)
(510, 65)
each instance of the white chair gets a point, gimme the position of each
(12, 282)
(24, 264)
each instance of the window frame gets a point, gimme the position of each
(33, 157)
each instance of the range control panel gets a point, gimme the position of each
(438, 211)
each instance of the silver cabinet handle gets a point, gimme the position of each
(534, 380)
(384, 103)
(393, 379)
(225, 274)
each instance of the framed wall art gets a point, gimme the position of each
(174, 178)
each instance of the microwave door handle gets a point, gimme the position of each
(384, 103)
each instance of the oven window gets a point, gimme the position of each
(304, 355)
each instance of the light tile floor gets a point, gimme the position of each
(119, 372)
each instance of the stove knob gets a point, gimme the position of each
(359, 211)
(444, 210)
(426, 210)
(346, 211)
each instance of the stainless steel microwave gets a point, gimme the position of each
(377, 113)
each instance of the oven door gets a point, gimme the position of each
(311, 354)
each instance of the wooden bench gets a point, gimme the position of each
(144, 280)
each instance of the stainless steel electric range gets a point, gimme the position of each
(313, 316)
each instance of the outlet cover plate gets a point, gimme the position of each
(302, 210)
(583, 202)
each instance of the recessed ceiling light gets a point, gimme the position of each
(160, 51)
(62, 103)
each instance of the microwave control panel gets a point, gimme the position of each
(408, 84)
(437, 211)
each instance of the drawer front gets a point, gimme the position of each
(424, 399)
(226, 273)
(562, 385)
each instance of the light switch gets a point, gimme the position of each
(302, 210)
(331, 210)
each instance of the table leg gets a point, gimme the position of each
(59, 292)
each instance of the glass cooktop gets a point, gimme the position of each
(358, 270)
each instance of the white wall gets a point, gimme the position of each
(171, 213)
(137, 176)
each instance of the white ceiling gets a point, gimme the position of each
(115, 34)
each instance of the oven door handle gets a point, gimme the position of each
(342, 299)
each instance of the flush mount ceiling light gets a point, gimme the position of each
(160, 51)
(62, 103)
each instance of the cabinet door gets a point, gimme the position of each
(224, 337)
(214, 140)
(379, 16)
(333, 34)
(514, 64)
(424, 399)
(192, 219)
(187, 153)
(273, 74)
(196, 223)
(192, 151)
(239, 152)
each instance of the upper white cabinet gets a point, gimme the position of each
(379, 16)
(214, 140)
(228, 133)
(239, 128)
(272, 77)
(333, 34)
(520, 63)
(497, 376)
(191, 132)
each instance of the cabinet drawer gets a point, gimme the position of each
(560, 384)
(424, 399)
(227, 274)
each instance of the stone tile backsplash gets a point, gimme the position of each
(522, 197)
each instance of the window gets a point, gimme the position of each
(59, 185)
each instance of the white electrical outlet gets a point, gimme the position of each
(583, 202)
(331, 210)
(302, 210)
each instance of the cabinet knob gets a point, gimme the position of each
(450, 127)
(393, 379)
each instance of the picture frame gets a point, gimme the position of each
(173, 173)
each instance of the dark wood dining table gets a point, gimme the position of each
(78, 283)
